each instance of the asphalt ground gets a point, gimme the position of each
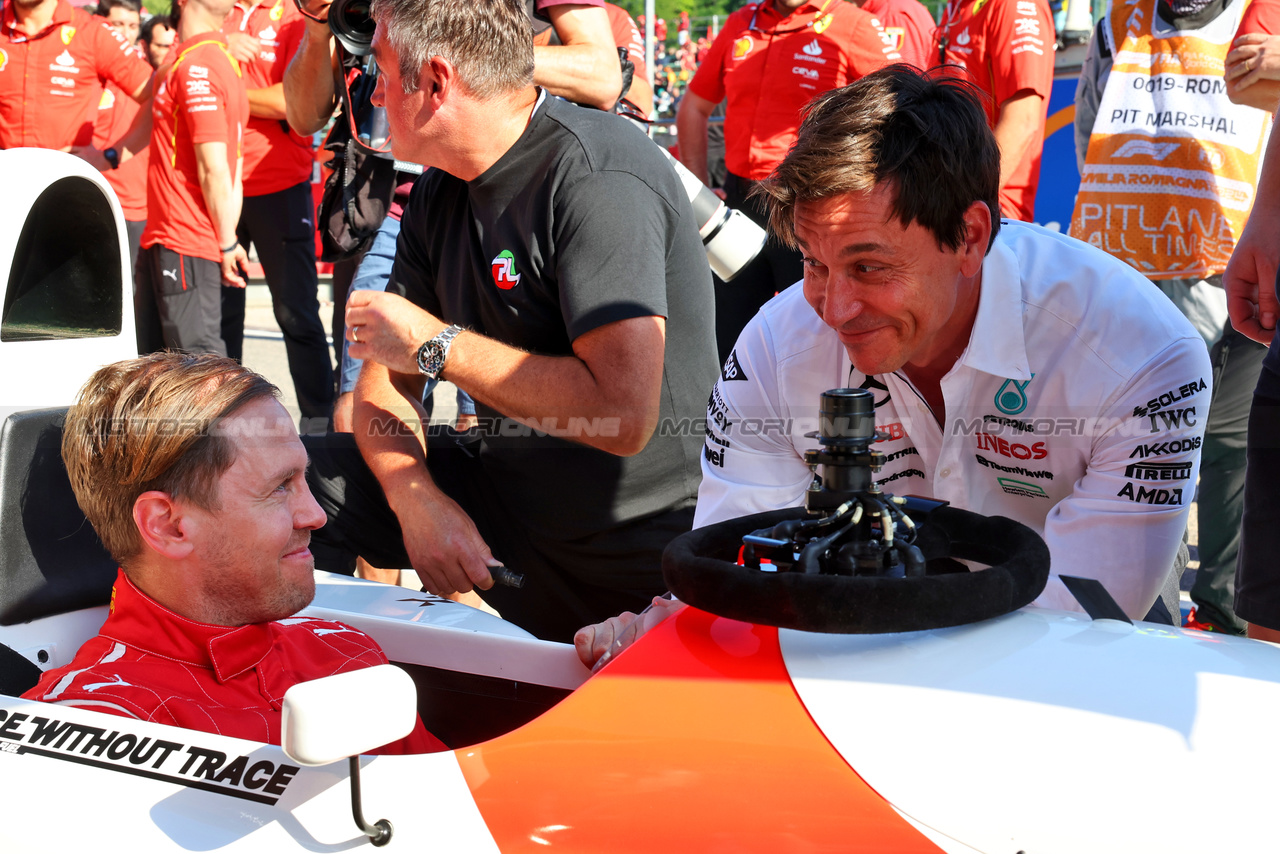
(264, 350)
(264, 353)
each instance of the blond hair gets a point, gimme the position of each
(149, 424)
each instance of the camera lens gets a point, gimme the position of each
(352, 24)
(357, 17)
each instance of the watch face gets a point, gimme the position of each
(431, 359)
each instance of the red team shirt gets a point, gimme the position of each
(113, 116)
(50, 83)
(1261, 17)
(275, 158)
(151, 664)
(1007, 48)
(910, 27)
(770, 69)
(202, 100)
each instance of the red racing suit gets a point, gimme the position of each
(154, 665)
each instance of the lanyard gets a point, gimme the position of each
(751, 27)
(944, 29)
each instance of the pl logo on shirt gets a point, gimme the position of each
(503, 267)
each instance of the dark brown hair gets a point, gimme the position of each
(923, 132)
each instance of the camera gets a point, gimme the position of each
(730, 238)
(352, 24)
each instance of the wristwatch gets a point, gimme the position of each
(112, 157)
(432, 354)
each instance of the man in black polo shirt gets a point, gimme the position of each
(550, 266)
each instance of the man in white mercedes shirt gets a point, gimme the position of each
(1017, 372)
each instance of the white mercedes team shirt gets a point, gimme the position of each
(1078, 409)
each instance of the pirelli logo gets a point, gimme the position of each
(1158, 471)
(262, 780)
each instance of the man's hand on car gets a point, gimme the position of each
(598, 643)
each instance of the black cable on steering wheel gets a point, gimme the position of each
(701, 568)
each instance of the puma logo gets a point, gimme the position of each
(173, 274)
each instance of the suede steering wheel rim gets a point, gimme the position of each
(700, 568)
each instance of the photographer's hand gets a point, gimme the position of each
(314, 10)
(310, 95)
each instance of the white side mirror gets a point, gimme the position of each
(348, 714)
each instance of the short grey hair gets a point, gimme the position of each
(489, 42)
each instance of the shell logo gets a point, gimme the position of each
(4, 60)
(67, 34)
(742, 47)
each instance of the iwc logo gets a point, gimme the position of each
(504, 270)
(1011, 399)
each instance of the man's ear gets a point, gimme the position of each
(162, 525)
(437, 79)
(977, 235)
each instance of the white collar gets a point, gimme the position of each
(997, 344)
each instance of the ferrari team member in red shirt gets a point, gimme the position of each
(193, 188)
(770, 59)
(1007, 48)
(54, 60)
(908, 28)
(156, 38)
(113, 117)
(1253, 65)
(211, 528)
(279, 211)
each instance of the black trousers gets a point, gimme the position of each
(1257, 597)
(176, 302)
(1237, 361)
(282, 227)
(774, 269)
(560, 593)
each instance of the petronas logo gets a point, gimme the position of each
(1011, 399)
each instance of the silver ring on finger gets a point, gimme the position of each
(355, 335)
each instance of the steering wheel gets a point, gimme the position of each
(700, 568)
